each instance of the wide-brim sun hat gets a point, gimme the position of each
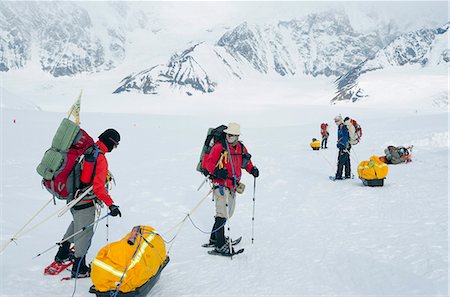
(233, 129)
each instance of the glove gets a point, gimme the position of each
(221, 173)
(114, 211)
(204, 172)
(254, 171)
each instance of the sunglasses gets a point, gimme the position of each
(232, 135)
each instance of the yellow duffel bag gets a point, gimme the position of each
(315, 144)
(136, 257)
(372, 169)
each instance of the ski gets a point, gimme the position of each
(214, 252)
(233, 242)
(56, 268)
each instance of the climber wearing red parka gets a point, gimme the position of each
(95, 172)
(224, 164)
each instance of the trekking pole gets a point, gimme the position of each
(74, 201)
(15, 236)
(253, 217)
(62, 210)
(203, 182)
(233, 193)
(337, 161)
(76, 233)
(230, 243)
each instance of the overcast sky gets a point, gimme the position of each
(208, 13)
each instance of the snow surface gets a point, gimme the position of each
(313, 237)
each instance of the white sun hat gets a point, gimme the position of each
(233, 129)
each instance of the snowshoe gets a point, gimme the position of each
(225, 254)
(233, 242)
(56, 268)
(225, 251)
(334, 178)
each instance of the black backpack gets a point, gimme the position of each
(213, 136)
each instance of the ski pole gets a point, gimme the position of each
(5, 245)
(74, 201)
(253, 217)
(76, 233)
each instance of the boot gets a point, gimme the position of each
(220, 232)
(212, 238)
(64, 254)
(80, 265)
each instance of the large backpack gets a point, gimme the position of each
(323, 129)
(213, 136)
(61, 165)
(397, 155)
(356, 133)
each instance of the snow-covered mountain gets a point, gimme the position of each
(63, 37)
(425, 47)
(154, 48)
(318, 44)
(181, 70)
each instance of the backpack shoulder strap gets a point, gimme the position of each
(97, 151)
(242, 147)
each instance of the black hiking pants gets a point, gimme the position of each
(324, 142)
(343, 162)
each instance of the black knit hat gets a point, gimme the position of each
(110, 138)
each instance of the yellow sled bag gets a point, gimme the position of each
(373, 169)
(136, 257)
(315, 145)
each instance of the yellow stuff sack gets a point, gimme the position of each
(315, 144)
(137, 263)
(372, 169)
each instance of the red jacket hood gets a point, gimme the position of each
(102, 146)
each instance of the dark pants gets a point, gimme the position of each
(324, 142)
(343, 161)
(218, 232)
